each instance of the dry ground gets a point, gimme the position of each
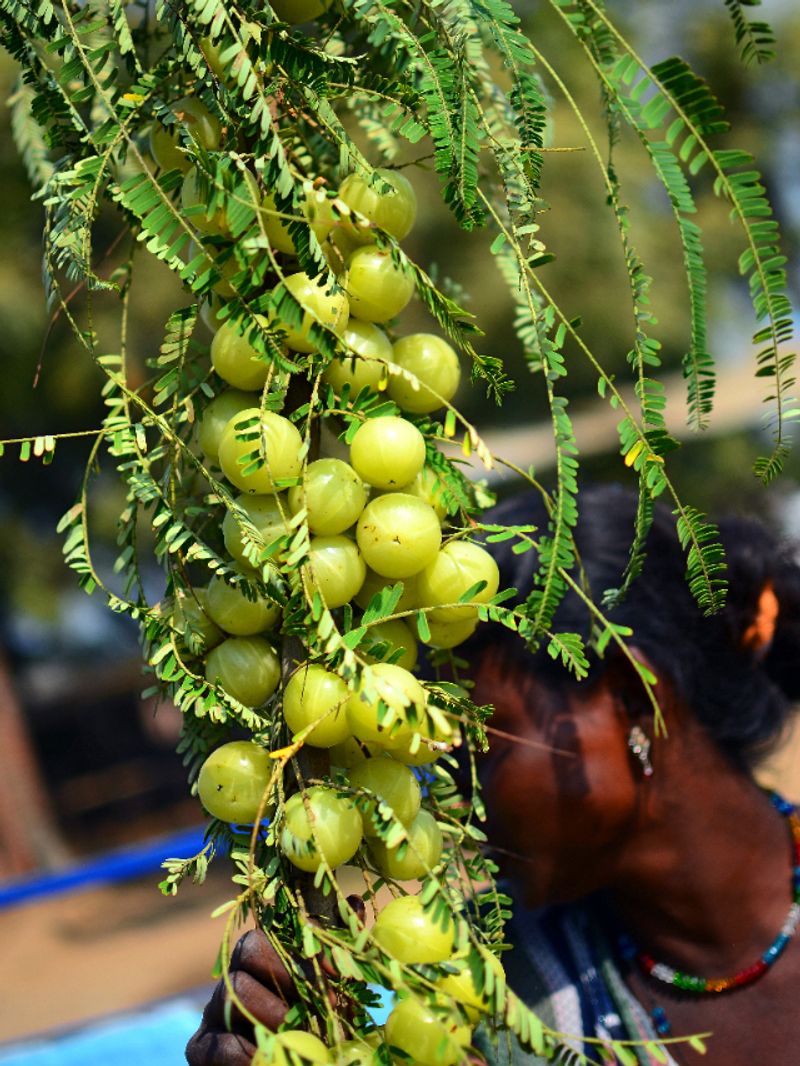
(80, 956)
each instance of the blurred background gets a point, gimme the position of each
(86, 767)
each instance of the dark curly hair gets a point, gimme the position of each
(741, 697)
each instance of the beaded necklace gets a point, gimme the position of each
(692, 984)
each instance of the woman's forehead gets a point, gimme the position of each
(513, 683)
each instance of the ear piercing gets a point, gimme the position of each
(639, 745)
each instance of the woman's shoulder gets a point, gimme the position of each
(561, 965)
(557, 962)
(549, 951)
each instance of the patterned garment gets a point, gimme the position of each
(563, 968)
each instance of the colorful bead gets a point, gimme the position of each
(662, 972)
(661, 1022)
(701, 985)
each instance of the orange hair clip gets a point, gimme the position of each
(758, 636)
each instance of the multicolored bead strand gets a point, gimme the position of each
(685, 982)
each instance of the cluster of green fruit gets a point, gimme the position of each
(373, 519)
(372, 522)
(328, 824)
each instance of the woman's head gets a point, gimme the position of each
(741, 693)
(562, 788)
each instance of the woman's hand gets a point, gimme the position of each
(264, 987)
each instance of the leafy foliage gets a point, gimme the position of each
(754, 38)
(105, 116)
(675, 93)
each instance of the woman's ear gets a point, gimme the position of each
(634, 683)
(631, 678)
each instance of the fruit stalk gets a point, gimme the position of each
(310, 764)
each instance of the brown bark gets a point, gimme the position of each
(28, 835)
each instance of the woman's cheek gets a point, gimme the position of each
(517, 798)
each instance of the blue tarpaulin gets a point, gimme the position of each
(152, 1037)
(109, 868)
